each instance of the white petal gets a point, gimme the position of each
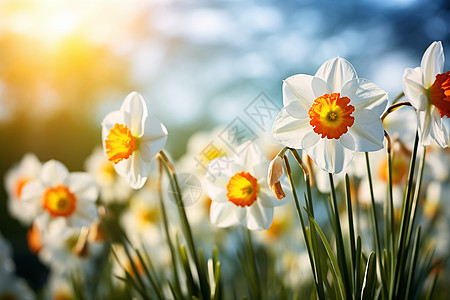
(413, 87)
(365, 94)
(259, 217)
(298, 88)
(320, 87)
(53, 172)
(432, 63)
(216, 190)
(310, 139)
(83, 185)
(241, 213)
(438, 131)
(250, 156)
(297, 110)
(223, 214)
(138, 173)
(336, 72)
(330, 155)
(424, 126)
(134, 113)
(290, 131)
(153, 140)
(32, 193)
(122, 168)
(221, 169)
(347, 141)
(367, 131)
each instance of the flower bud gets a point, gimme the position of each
(273, 178)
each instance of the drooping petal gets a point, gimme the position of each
(438, 131)
(365, 94)
(413, 87)
(53, 173)
(259, 217)
(222, 214)
(336, 72)
(424, 126)
(330, 155)
(154, 138)
(298, 88)
(138, 172)
(289, 130)
(432, 63)
(83, 185)
(134, 112)
(367, 131)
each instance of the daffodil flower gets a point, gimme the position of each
(15, 180)
(57, 195)
(131, 138)
(428, 89)
(331, 115)
(239, 190)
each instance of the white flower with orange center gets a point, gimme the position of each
(60, 195)
(15, 179)
(239, 190)
(131, 138)
(331, 115)
(428, 89)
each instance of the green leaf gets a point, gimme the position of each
(370, 279)
(333, 261)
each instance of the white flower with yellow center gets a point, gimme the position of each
(60, 195)
(113, 188)
(15, 179)
(131, 138)
(239, 190)
(428, 89)
(331, 115)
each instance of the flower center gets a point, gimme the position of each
(20, 183)
(440, 94)
(120, 143)
(59, 201)
(330, 115)
(242, 189)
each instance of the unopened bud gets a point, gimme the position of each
(273, 177)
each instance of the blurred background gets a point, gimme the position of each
(65, 65)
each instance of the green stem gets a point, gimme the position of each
(166, 230)
(185, 223)
(374, 220)
(406, 211)
(339, 240)
(253, 264)
(311, 254)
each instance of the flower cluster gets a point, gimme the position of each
(110, 232)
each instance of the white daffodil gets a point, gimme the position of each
(131, 138)
(239, 190)
(60, 195)
(331, 115)
(428, 89)
(15, 179)
(113, 188)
